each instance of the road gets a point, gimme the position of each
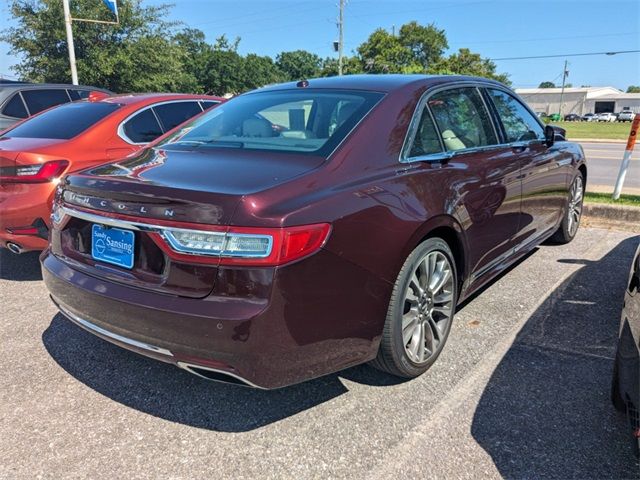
(521, 390)
(603, 160)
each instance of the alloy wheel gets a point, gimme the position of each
(575, 205)
(428, 307)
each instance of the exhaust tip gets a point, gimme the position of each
(14, 248)
(216, 375)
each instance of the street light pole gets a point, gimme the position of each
(340, 36)
(72, 52)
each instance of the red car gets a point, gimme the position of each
(36, 152)
(304, 228)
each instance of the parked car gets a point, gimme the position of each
(626, 116)
(606, 117)
(572, 117)
(589, 117)
(555, 117)
(35, 153)
(307, 227)
(625, 390)
(19, 100)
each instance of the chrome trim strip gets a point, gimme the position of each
(113, 222)
(129, 341)
(188, 367)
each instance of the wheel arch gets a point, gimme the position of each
(448, 229)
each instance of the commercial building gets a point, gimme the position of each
(580, 100)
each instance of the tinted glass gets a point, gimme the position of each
(79, 94)
(426, 140)
(15, 108)
(143, 128)
(519, 125)
(206, 105)
(173, 114)
(302, 121)
(38, 100)
(462, 119)
(64, 122)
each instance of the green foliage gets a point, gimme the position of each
(633, 89)
(466, 62)
(110, 56)
(146, 53)
(299, 64)
(547, 85)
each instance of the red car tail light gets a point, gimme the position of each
(245, 245)
(37, 173)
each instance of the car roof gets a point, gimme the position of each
(150, 98)
(377, 82)
(11, 85)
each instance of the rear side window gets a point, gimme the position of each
(143, 127)
(38, 100)
(15, 108)
(462, 119)
(206, 105)
(63, 123)
(426, 140)
(78, 94)
(519, 125)
(173, 114)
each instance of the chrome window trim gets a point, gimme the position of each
(124, 136)
(446, 155)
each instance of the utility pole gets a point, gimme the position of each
(340, 36)
(564, 79)
(72, 51)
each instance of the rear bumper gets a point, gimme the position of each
(311, 324)
(21, 205)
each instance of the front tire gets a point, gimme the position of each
(420, 312)
(573, 212)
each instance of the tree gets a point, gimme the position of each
(383, 53)
(299, 64)
(547, 85)
(197, 54)
(260, 71)
(224, 69)
(109, 56)
(633, 89)
(350, 66)
(466, 62)
(427, 43)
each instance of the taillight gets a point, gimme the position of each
(38, 173)
(245, 245)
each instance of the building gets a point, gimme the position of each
(580, 100)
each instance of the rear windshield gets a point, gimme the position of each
(301, 121)
(63, 122)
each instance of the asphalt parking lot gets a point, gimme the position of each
(520, 391)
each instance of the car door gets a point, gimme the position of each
(484, 176)
(544, 171)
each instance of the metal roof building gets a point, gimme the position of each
(580, 100)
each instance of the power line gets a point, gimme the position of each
(540, 39)
(567, 55)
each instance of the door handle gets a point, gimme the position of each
(519, 146)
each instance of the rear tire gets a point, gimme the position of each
(420, 311)
(573, 212)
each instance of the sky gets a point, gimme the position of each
(495, 29)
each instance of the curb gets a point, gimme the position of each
(596, 140)
(621, 216)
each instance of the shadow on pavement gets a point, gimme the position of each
(24, 267)
(546, 411)
(167, 392)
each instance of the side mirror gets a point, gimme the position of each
(549, 135)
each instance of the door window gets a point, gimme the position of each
(519, 124)
(143, 128)
(462, 119)
(173, 114)
(206, 104)
(15, 108)
(38, 100)
(426, 140)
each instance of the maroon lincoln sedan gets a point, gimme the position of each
(307, 227)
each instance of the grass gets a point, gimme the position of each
(610, 131)
(625, 199)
